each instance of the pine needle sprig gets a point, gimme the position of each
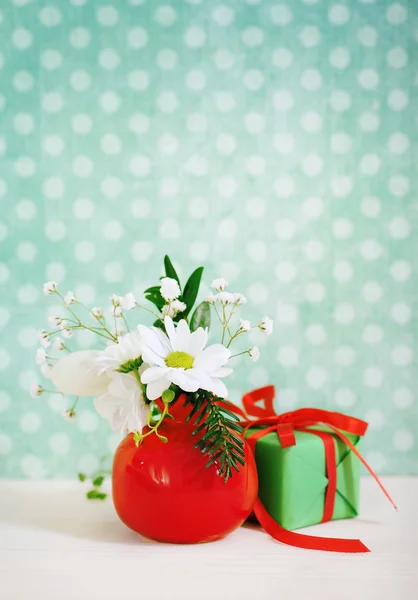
(218, 431)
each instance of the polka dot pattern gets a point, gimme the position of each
(270, 140)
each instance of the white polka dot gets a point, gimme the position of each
(138, 80)
(253, 80)
(343, 271)
(403, 398)
(167, 102)
(340, 100)
(285, 229)
(344, 356)
(397, 58)
(345, 397)
(50, 16)
(137, 38)
(200, 250)
(169, 229)
(377, 460)
(5, 444)
(368, 79)
(398, 143)
(316, 335)
(316, 378)
(51, 59)
(284, 143)
(139, 165)
(30, 422)
(369, 164)
(226, 143)
(52, 102)
(224, 59)
(283, 100)
(255, 165)
(87, 421)
(367, 36)
(166, 59)
(113, 230)
(310, 36)
(23, 81)
(82, 166)
(88, 463)
(341, 142)
(225, 101)
(26, 210)
(169, 186)
(252, 36)
(312, 165)
(284, 186)
(403, 440)
(282, 58)
(59, 443)
(227, 186)
(81, 124)
(110, 102)
(55, 271)
(139, 123)
(399, 185)
(80, 37)
(372, 292)
(141, 208)
(315, 292)
(165, 16)
(344, 314)
(396, 14)
(254, 123)
(227, 229)
(342, 229)
(197, 123)
(83, 208)
(109, 59)
(259, 377)
(401, 270)
(369, 122)
(281, 14)
(372, 334)
(371, 250)
(288, 356)
(21, 38)
(110, 144)
(402, 356)
(398, 100)
(111, 187)
(373, 377)
(312, 208)
(257, 250)
(258, 293)
(370, 207)
(141, 251)
(107, 15)
(25, 166)
(195, 37)
(26, 251)
(401, 313)
(339, 58)
(311, 122)
(223, 15)
(55, 230)
(86, 293)
(23, 123)
(338, 14)
(80, 80)
(286, 314)
(84, 251)
(399, 228)
(314, 250)
(375, 418)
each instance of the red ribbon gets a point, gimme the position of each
(285, 425)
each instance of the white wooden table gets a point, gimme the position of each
(56, 545)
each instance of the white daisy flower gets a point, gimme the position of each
(43, 337)
(254, 354)
(50, 287)
(97, 312)
(36, 390)
(219, 284)
(69, 298)
(123, 404)
(127, 348)
(244, 325)
(181, 358)
(170, 289)
(128, 302)
(40, 356)
(240, 299)
(266, 325)
(226, 298)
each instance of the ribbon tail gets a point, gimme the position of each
(363, 461)
(300, 540)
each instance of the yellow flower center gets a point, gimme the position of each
(179, 360)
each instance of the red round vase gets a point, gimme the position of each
(165, 492)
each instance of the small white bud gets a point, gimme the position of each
(219, 284)
(50, 287)
(40, 356)
(36, 390)
(240, 299)
(67, 332)
(266, 325)
(43, 337)
(69, 414)
(254, 354)
(226, 298)
(244, 325)
(59, 344)
(97, 312)
(128, 302)
(69, 298)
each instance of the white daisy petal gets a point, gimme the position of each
(198, 340)
(183, 336)
(218, 388)
(157, 387)
(171, 332)
(154, 373)
(221, 373)
(212, 358)
(187, 384)
(152, 339)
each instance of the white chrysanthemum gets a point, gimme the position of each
(123, 404)
(181, 358)
(254, 354)
(219, 284)
(266, 325)
(244, 325)
(170, 289)
(128, 302)
(128, 347)
(69, 298)
(40, 356)
(50, 287)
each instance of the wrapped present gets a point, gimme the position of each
(308, 464)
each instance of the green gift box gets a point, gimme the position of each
(293, 480)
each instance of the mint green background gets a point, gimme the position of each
(275, 142)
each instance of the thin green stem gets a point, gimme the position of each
(150, 311)
(240, 354)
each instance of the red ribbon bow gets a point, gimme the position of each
(285, 425)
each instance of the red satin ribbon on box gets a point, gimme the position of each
(285, 425)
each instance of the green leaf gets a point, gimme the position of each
(156, 298)
(158, 323)
(130, 365)
(201, 317)
(170, 270)
(96, 495)
(97, 481)
(82, 476)
(191, 289)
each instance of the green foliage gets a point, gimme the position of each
(82, 476)
(97, 481)
(191, 289)
(218, 433)
(153, 295)
(130, 365)
(201, 317)
(96, 495)
(170, 270)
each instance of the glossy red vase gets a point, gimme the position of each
(164, 492)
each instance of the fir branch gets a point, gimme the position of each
(217, 429)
